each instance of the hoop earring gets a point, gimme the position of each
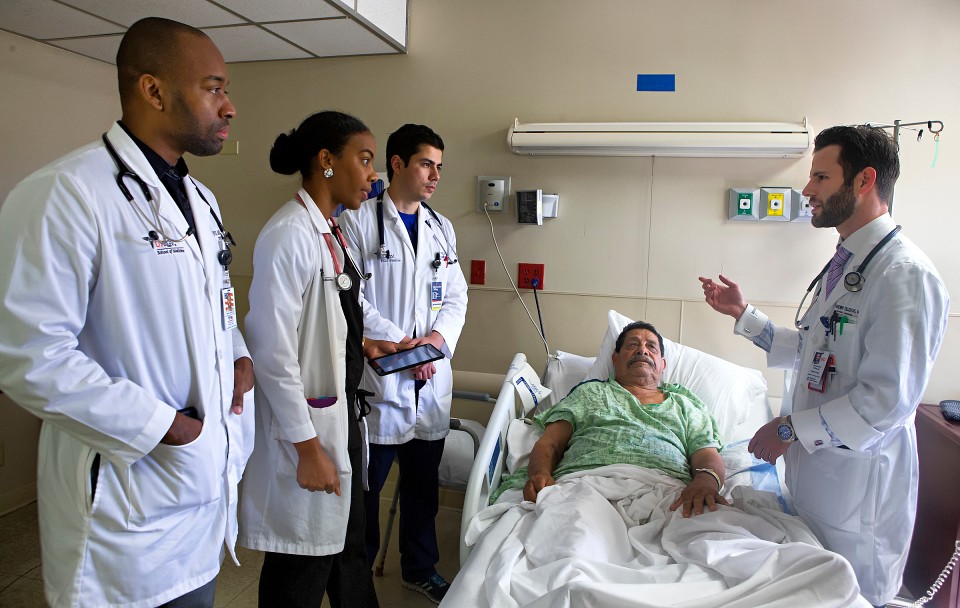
(328, 172)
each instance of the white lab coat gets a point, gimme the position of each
(103, 339)
(399, 294)
(298, 337)
(861, 502)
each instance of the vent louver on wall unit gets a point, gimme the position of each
(690, 139)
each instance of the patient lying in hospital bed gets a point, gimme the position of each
(606, 533)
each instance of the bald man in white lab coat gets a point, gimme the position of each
(118, 330)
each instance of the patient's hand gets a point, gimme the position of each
(535, 484)
(701, 491)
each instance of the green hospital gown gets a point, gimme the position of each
(610, 426)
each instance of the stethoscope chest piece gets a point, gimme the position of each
(344, 282)
(853, 281)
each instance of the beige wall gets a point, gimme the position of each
(51, 102)
(633, 233)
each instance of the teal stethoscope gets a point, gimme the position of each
(853, 280)
(224, 256)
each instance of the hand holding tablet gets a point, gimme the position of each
(405, 359)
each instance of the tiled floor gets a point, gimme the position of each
(21, 585)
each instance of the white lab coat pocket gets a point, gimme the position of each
(331, 434)
(176, 478)
(846, 350)
(830, 485)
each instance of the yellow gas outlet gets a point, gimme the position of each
(775, 203)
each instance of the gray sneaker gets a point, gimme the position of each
(434, 587)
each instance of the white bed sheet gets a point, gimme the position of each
(607, 538)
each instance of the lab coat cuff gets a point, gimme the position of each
(809, 430)
(239, 346)
(848, 425)
(751, 323)
(299, 433)
(153, 432)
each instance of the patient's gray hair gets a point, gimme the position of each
(637, 325)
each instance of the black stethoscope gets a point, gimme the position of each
(224, 256)
(853, 280)
(384, 254)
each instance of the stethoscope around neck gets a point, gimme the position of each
(384, 254)
(224, 256)
(853, 280)
(340, 278)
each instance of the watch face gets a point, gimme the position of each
(785, 432)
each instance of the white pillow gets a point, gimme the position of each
(730, 392)
(564, 371)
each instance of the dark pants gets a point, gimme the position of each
(202, 597)
(301, 580)
(419, 495)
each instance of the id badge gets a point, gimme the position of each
(823, 365)
(436, 295)
(229, 308)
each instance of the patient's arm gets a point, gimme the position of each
(544, 457)
(702, 490)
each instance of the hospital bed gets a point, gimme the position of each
(590, 547)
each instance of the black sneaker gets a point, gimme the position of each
(434, 587)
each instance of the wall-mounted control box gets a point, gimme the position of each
(492, 193)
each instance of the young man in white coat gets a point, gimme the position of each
(862, 355)
(417, 292)
(118, 331)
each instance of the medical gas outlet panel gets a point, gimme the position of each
(769, 204)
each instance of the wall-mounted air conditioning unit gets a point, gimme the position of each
(692, 139)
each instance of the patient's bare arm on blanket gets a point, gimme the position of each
(545, 456)
(704, 488)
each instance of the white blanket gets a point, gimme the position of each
(607, 537)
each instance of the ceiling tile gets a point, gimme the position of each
(332, 37)
(45, 19)
(288, 10)
(103, 48)
(198, 13)
(250, 43)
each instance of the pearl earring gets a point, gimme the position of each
(328, 172)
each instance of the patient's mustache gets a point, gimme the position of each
(639, 357)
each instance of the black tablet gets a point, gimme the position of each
(405, 359)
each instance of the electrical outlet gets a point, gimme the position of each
(478, 272)
(526, 275)
(804, 212)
